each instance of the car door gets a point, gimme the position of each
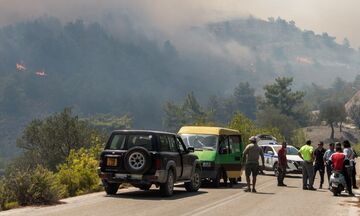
(186, 157)
(177, 156)
(170, 154)
(269, 157)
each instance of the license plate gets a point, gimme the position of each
(110, 161)
(128, 176)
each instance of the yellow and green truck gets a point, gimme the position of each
(219, 150)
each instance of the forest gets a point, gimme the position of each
(126, 74)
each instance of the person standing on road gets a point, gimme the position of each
(282, 161)
(251, 156)
(354, 170)
(306, 153)
(338, 162)
(326, 158)
(349, 154)
(319, 162)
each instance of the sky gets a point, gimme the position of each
(338, 18)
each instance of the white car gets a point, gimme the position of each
(294, 162)
(265, 139)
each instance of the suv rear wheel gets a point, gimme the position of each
(195, 183)
(111, 188)
(167, 188)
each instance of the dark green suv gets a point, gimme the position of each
(143, 158)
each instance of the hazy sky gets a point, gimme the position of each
(337, 17)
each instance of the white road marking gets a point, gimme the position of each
(222, 202)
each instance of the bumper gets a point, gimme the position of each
(159, 177)
(208, 173)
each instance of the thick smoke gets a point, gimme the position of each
(339, 18)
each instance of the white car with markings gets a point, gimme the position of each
(294, 162)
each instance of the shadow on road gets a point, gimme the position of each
(154, 194)
(263, 193)
(239, 185)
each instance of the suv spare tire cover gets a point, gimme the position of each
(137, 160)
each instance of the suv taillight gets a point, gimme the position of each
(157, 163)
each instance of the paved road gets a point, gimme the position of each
(270, 200)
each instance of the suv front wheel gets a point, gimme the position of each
(167, 188)
(111, 188)
(195, 183)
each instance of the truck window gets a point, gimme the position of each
(224, 145)
(234, 143)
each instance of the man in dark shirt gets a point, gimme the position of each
(282, 161)
(319, 162)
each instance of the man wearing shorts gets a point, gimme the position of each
(251, 157)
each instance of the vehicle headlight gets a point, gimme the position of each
(206, 164)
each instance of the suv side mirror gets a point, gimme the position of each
(190, 149)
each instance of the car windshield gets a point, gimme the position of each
(200, 141)
(289, 150)
(125, 142)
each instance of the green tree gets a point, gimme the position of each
(190, 112)
(332, 112)
(245, 100)
(107, 122)
(272, 117)
(248, 128)
(354, 114)
(281, 96)
(48, 142)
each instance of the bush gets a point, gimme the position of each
(37, 186)
(247, 128)
(3, 195)
(79, 172)
(299, 138)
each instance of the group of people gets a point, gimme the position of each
(338, 157)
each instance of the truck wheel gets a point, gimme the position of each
(111, 188)
(195, 183)
(137, 160)
(216, 180)
(167, 188)
(233, 181)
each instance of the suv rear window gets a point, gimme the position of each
(125, 142)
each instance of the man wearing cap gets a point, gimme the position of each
(251, 157)
(306, 153)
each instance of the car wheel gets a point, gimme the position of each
(111, 188)
(195, 183)
(216, 181)
(167, 188)
(276, 170)
(137, 160)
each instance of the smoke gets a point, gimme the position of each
(339, 18)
